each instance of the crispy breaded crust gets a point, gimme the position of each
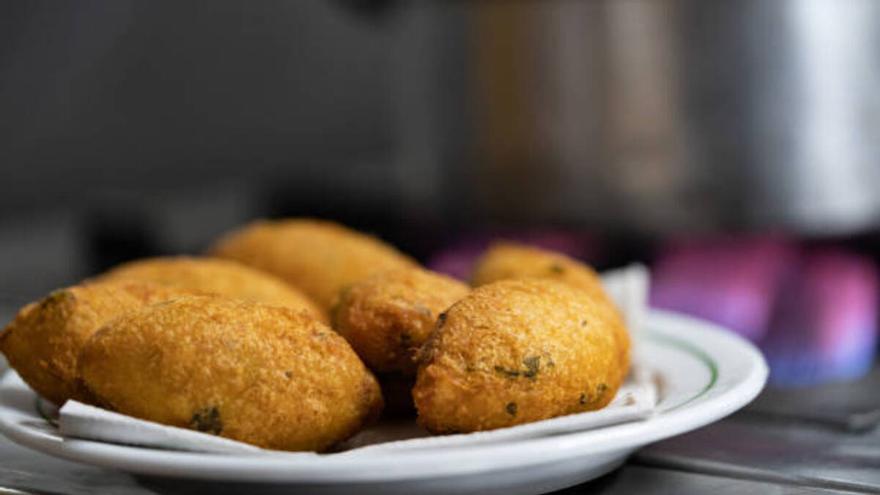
(517, 351)
(44, 340)
(387, 317)
(261, 374)
(505, 260)
(509, 260)
(217, 276)
(319, 257)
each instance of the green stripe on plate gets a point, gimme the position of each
(696, 352)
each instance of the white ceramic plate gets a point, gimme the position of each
(705, 373)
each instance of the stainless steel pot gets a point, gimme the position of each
(649, 115)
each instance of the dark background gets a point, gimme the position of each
(153, 126)
(152, 96)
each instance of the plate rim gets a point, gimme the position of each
(391, 466)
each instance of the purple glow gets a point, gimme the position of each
(729, 281)
(825, 327)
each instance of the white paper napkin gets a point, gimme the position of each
(628, 288)
(78, 420)
(635, 400)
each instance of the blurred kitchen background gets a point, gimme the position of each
(732, 146)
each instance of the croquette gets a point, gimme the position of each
(44, 340)
(222, 277)
(387, 317)
(318, 257)
(509, 260)
(505, 260)
(262, 374)
(517, 351)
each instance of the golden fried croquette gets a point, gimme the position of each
(508, 260)
(505, 260)
(387, 317)
(43, 341)
(266, 375)
(319, 257)
(222, 277)
(517, 351)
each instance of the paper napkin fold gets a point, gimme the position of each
(78, 420)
